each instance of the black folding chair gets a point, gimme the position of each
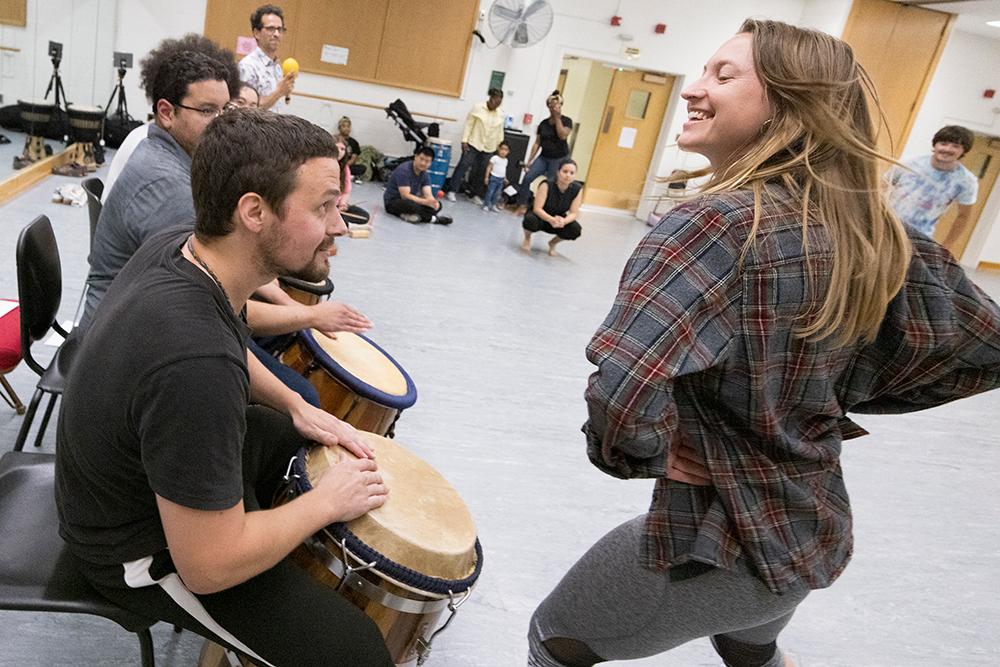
(94, 187)
(39, 289)
(37, 571)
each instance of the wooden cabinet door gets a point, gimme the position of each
(899, 46)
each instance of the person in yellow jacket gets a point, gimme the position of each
(482, 134)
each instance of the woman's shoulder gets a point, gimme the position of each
(729, 216)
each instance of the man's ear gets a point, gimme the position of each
(253, 213)
(164, 113)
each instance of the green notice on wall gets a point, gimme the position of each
(496, 79)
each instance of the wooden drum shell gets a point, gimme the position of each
(400, 630)
(337, 398)
(421, 544)
(357, 381)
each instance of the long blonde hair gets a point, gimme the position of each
(820, 143)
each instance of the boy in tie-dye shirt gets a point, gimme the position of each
(922, 192)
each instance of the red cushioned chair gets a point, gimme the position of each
(10, 351)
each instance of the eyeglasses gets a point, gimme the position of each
(210, 112)
(273, 29)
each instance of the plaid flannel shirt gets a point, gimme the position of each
(701, 348)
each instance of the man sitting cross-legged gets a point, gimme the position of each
(408, 192)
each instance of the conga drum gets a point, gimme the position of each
(85, 124)
(306, 292)
(85, 127)
(35, 115)
(404, 564)
(357, 380)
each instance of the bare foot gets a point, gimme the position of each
(520, 211)
(526, 243)
(552, 246)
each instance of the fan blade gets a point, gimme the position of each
(534, 7)
(511, 29)
(506, 13)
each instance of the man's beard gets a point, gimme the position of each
(315, 271)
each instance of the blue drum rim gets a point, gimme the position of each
(384, 564)
(357, 385)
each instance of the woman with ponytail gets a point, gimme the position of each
(747, 325)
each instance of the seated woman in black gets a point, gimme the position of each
(557, 205)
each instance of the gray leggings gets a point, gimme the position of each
(620, 610)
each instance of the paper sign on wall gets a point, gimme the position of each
(627, 138)
(335, 55)
(245, 45)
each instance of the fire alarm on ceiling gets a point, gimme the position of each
(616, 20)
(660, 28)
(989, 93)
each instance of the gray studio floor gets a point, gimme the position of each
(494, 340)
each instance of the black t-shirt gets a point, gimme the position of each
(558, 203)
(155, 404)
(552, 146)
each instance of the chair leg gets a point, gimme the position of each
(146, 648)
(10, 396)
(45, 420)
(29, 417)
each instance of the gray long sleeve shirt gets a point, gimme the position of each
(152, 193)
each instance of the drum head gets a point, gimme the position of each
(37, 103)
(363, 366)
(81, 110)
(423, 525)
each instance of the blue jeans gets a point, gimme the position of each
(541, 165)
(493, 190)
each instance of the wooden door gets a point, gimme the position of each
(984, 162)
(899, 46)
(626, 140)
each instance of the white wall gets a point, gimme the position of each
(969, 65)
(86, 30)
(694, 30)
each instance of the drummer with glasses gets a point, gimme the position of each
(260, 68)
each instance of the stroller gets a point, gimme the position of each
(413, 131)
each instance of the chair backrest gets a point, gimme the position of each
(94, 187)
(39, 284)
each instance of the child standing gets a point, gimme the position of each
(495, 177)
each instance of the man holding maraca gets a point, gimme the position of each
(260, 67)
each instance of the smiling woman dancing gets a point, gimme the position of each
(747, 324)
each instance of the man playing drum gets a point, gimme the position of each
(172, 440)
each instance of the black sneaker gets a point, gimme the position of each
(441, 220)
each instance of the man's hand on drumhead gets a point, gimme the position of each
(323, 428)
(351, 488)
(333, 316)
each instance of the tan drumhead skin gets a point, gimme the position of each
(364, 361)
(423, 524)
